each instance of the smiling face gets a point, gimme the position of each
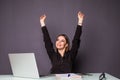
(61, 43)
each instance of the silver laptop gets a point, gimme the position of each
(24, 65)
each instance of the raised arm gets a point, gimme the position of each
(76, 39)
(46, 37)
(78, 31)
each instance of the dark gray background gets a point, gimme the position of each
(100, 41)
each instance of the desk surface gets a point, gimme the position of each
(89, 76)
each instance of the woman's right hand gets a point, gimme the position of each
(42, 20)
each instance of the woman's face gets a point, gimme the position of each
(61, 43)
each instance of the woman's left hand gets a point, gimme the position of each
(80, 18)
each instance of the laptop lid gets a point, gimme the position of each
(24, 65)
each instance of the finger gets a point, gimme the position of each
(79, 12)
(43, 16)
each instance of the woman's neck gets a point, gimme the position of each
(62, 52)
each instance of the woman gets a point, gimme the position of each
(63, 57)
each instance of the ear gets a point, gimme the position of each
(66, 45)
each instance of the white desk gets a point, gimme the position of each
(90, 76)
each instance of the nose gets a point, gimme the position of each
(59, 41)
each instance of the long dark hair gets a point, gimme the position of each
(67, 41)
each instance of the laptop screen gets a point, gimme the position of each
(24, 65)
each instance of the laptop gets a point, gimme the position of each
(24, 65)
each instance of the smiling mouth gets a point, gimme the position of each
(59, 45)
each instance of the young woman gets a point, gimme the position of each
(62, 57)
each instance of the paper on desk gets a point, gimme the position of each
(66, 77)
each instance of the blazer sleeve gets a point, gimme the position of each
(76, 42)
(48, 42)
